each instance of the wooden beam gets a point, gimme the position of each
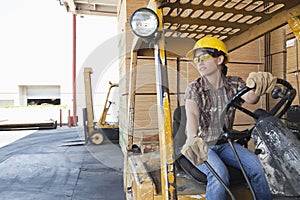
(259, 30)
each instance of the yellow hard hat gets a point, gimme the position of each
(209, 42)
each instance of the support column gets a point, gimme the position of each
(74, 73)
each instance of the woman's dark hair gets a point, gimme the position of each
(224, 69)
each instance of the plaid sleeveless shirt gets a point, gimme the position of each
(211, 104)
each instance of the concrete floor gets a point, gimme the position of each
(47, 164)
(51, 164)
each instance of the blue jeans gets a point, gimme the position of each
(218, 156)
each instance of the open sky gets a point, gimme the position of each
(36, 37)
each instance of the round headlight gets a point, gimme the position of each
(144, 22)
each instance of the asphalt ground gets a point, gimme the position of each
(53, 164)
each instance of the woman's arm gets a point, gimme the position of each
(192, 118)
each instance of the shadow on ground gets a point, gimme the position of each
(40, 166)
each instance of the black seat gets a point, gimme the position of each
(182, 163)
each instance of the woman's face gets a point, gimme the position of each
(206, 63)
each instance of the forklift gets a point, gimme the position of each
(161, 174)
(97, 133)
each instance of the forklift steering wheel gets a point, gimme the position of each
(287, 95)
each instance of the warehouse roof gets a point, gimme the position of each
(236, 22)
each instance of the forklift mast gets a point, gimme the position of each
(107, 105)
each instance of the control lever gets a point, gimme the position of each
(277, 92)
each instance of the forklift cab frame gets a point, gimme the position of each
(171, 16)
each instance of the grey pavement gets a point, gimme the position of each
(46, 165)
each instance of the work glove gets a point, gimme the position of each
(261, 82)
(195, 149)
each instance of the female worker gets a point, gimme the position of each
(205, 99)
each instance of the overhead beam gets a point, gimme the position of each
(71, 7)
(91, 7)
(259, 30)
(99, 2)
(96, 9)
